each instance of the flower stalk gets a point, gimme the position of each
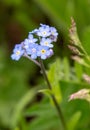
(60, 114)
(35, 61)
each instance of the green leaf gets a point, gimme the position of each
(53, 75)
(46, 91)
(45, 116)
(45, 123)
(73, 121)
(27, 98)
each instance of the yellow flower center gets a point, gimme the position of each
(43, 51)
(44, 32)
(46, 43)
(18, 52)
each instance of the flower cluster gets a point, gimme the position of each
(38, 43)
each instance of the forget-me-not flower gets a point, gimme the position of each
(32, 39)
(54, 34)
(46, 42)
(53, 31)
(43, 52)
(43, 31)
(32, 50)
(38, 43)
(26, 44)
(17, 52)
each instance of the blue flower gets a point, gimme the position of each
(51, 53)
(44, 25)
(18, 51)
(46, 42)
(31, 38)
(54, 34)
(43, 31)
(53, 31)
(34, 31)
(43, 52)
(32, 51)
(29, 41)
(26, 44)
(38, 46)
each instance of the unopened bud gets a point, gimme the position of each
(73, 26)
(80, 60)
(82, 94)
(73, 34)
(86, 78)
(74, 49)
(77, 58)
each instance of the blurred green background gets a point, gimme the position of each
(20, 107)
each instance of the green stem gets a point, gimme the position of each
(53, 97)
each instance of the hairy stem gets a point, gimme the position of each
(60, 114)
